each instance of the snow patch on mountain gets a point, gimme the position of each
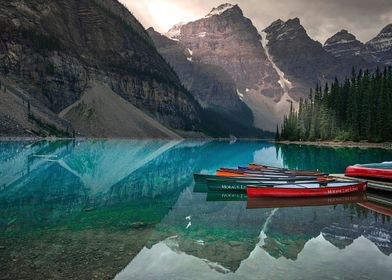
(175, 31)
(190, 52)
(219, 10)
(343, 41)
(240, 94)
(382, 44)
(283, 82)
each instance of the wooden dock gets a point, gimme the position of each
(372, 184)
(380, 199)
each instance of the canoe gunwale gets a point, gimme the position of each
(214, 185)
(306, 192)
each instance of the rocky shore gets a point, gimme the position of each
(346, 144)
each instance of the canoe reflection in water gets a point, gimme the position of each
(378, 208)
(273, 202)
(226, 196)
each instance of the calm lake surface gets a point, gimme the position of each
(120, 209)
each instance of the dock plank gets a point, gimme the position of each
(372, 184)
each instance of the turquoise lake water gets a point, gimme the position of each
(121, 209)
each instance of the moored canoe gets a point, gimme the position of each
(218, 185)
(373, 170)
(307, 190)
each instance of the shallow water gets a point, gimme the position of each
(127, 210)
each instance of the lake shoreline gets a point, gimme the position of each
(344, 144)
(26, 138)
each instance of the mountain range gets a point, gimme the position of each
(90, 68)
(276, 66)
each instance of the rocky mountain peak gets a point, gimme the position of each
(296, 54)
(224, 9)
(175, 31)
(226, 38)
(343, 36)
(294, 22)
(343, 43)
(383, 41)
(290, 29)
(381, 45)
(227, 14)
(276, 24)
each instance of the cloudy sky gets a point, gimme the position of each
(321, 18)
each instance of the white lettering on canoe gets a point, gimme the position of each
(345, 190)
(231, 187)
(237, 196)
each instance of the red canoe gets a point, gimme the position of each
(373, 170)
(307, 190)
(275, 202)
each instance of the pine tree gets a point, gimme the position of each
(277, 134)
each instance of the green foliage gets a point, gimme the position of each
(357, 109)
(343, 136)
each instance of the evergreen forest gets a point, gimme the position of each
(355, 109)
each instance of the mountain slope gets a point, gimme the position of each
(102, 113)
(53, 49)
(302, 59)
(211, 85)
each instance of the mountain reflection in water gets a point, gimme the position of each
(126, 209)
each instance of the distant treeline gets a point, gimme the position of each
(359, 108)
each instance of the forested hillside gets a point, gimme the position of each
(358, 108)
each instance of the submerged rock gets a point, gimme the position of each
(137, 225)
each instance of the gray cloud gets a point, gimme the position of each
(321, 18)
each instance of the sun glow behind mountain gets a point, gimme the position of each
(160, 14)
(320, 18)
